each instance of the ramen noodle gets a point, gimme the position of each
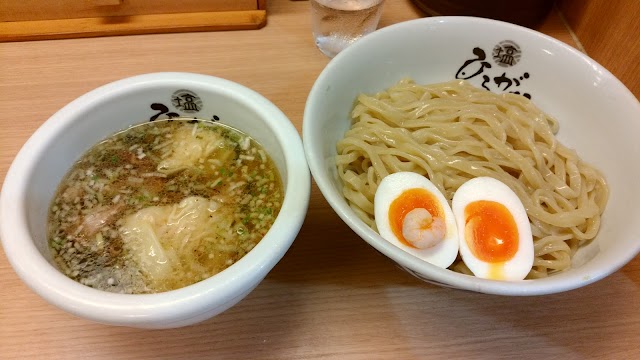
(452, 132)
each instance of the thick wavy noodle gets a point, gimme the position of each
(452, 132)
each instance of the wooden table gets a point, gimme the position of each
(331, 296)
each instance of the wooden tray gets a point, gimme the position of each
(22, 20)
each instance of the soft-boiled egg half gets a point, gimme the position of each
(411, 213)
(494, 230)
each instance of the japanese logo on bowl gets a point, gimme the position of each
(494, 70)
(185, 102)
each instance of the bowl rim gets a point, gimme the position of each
(423, 270)
(171, 306)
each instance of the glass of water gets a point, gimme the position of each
(337, 24)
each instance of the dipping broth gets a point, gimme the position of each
(163, 205)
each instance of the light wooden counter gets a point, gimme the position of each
(331, 296)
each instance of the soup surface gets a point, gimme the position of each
(163, 205)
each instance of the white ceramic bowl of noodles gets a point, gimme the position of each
(598, 117)
(52, 149)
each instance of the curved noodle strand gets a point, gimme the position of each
(452, 132)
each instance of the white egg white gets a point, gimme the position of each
(442, 254)
(486, 188)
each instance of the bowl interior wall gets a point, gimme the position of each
(99, 119)
(598, 116)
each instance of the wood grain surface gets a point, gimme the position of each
(19, 10)
(609, 31)
(132, 25)
(26, 20)
(332, 296)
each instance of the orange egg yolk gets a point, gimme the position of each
(490, 231)
(407, 201)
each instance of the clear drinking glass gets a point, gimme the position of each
(336, 24)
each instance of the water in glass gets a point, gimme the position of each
(338, 23)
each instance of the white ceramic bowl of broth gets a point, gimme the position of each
(62, 139)
(597, 115)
